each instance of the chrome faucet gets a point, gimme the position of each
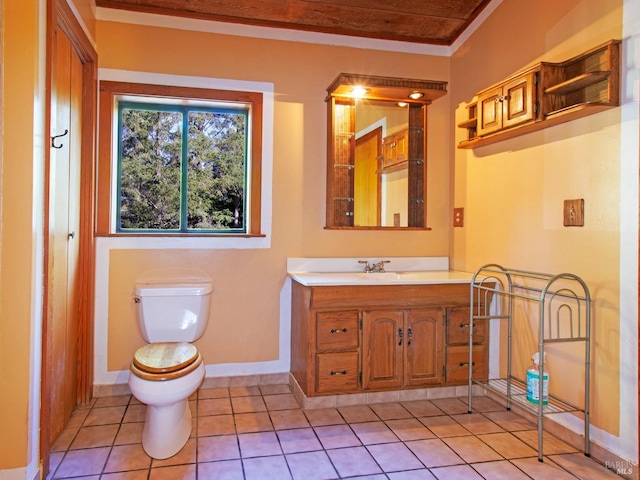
(376, 267)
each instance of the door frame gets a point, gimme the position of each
(60, 16)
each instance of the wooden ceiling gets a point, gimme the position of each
(436, 22)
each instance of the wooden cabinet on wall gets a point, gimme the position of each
(352, 339)
(396, 149)
(509, 104)
(544, 95)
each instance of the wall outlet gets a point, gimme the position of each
(458, 217)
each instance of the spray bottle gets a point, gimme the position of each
(533, 382)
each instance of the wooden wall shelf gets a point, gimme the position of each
(549, 94)
(577, 83)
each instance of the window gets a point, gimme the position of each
(178, 160)
(181, 168)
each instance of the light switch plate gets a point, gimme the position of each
(458, 217)
(573, 213)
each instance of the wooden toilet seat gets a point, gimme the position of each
(165, 360)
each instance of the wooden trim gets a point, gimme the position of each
(330, 217)
(255, 185)
(45, 377)
(417, 165)
(107, 98)
(60, 16)
(87, 239)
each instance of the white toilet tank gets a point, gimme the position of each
(173, 313)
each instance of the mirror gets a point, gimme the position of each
(376, 165)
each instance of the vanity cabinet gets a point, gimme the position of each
(363, 338)
(401, 348)
(508, 104)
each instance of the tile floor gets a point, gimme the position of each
(261, 433)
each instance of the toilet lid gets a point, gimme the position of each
(165, 357)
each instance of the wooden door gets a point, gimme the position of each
(366, 207)
(383, 340)
(68, 280)
(424, 347)
(64, 230)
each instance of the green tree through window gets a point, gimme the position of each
(172, 181)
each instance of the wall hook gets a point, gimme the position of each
(53, 139)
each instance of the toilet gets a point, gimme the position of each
(166, 371)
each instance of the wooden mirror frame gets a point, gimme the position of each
(341, 133)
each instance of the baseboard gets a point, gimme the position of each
(404, 395)
(208, 382)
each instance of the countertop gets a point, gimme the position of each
(312, 279)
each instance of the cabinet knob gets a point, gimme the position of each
(466, 364)
(400, 336)
(333, 372)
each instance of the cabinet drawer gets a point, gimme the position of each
(337, 331)
(336, 372)
(458, 330)
(458, 360)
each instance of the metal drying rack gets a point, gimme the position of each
(564, 315)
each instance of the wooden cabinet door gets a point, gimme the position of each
(383, 340)
(489, 111)
(518, 100)
(424, 347)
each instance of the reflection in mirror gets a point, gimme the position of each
(376, 152)
(381, 182)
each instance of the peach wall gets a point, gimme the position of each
(513, 191)
(247, 306)
(21, 159)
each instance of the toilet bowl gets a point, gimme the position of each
(164, 376)
(169, 369)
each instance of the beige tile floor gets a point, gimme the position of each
(261, 433)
